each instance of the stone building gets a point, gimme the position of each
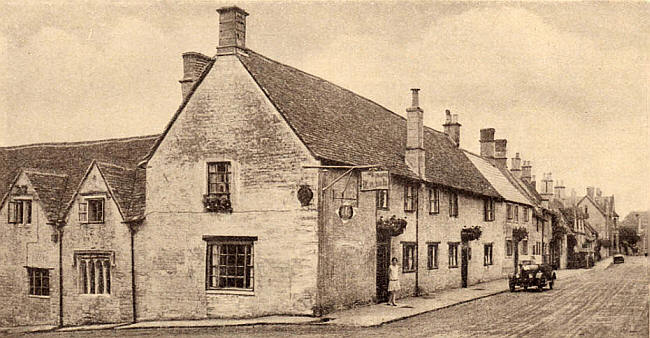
(270, 191)
(45, 244)
(603, 218)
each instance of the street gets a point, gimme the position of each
(608, 303)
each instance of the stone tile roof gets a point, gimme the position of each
(50, 189)
(120, 181)
(138, 196)
(71, 159)
(497, 179)
(340, 126)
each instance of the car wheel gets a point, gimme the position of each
(525, 287)
(540, 286)
(512, 287)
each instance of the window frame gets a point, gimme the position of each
(38, 274)
(455, 246)
(433, 254)
(516, 213)
(412, 197)
(99, 278)
(411, 247)
(509, 215)
(84, 211)
(227, 175)
(524, 248)
(383, 196)
(453, 204)
(488, 210)
(248, 267)
(488, 254)
(19, 211)
(526, 215)
(434, 201)
(510, 246)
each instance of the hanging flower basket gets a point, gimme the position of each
(395, 226)
(470, 234)
(519, 234)
(216, 203)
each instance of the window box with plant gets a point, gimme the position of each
(218, 197)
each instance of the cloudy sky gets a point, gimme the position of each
(565, 83)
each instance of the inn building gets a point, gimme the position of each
(270, 191)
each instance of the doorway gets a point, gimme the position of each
(383, 262)
(465, 257)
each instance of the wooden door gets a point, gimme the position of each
(383, 262)
(464, 265)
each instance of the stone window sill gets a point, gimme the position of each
(234, 292)
(39, 297)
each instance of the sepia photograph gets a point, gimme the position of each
(324, 168)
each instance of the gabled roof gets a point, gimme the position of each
(71, 159)
(138, 196)
(598, 207)
(120, 183)
(340, 126)
(496, 177)
(50, 189)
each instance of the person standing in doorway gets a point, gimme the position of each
(393, 281)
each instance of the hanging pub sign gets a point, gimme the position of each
(375, 180)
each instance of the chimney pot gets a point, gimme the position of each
(415, 99)
(452, 127)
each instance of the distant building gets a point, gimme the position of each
(603, 218)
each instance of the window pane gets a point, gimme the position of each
(100, 277)
(91, 277)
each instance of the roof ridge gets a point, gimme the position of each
(41, 172)
(111, 165)
(79, 143)
(334, 84)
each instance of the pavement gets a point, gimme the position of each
(364, 316)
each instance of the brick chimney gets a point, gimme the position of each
(452, 127)
(590, 192)
(415, 136)
(487, 143)
(526, 172)
(501, 153)
(232, 30)
(559, 191)
(193, 65)
(516, 166)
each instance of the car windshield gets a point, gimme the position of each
(530, 267)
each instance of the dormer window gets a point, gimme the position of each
(91, 210)
(219, 179)
(20, 212)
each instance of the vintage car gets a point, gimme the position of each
(618, 258)
(530, 274)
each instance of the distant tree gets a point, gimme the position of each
(628, 236)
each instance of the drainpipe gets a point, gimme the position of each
(60, 234)
(417, 241)
(132, 231)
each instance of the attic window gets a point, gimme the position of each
(20, 212)
(91, 210)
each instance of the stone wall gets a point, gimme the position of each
(111, 237)
(27, 245)
(228, 118)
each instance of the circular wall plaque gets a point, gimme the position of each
(346, 212)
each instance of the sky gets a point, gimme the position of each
(565, 83)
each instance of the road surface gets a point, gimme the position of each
(607, 303)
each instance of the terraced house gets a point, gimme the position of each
(270, 191)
